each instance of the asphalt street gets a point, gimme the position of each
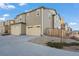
(19, 46)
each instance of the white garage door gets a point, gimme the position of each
(33, 30)
(16, 29)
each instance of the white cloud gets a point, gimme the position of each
(2, 19)
(26, 10)
(6, 6)
(11, 6)
(22, 4)
(73, 23)
(6, 15)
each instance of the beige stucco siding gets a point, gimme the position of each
(23, 29)
(7, 29)
(54, 18)
(47, 19)
(48, 16)
(21, 18)
(57, 22)
(2, 29)
(34, 17)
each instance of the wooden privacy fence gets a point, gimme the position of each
(56, 32)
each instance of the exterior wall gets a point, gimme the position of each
(7, 29)
(21, 18)
(33, 17)
(2, 23)
(18, 29)
(12, 22)
(48, 20)
(7, 22)
(23, 29)
(54, 16)
(2, 27)
(57, 22)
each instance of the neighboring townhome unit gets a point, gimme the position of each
(8, 24)
(2, 28)
(19, 28)
(5, 27)
(39, 20)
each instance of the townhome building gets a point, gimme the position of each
(34, 22)
(5, 26)
(39, 20)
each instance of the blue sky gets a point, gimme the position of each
(70, 12)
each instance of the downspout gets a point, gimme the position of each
(42, 23)
(25, 24)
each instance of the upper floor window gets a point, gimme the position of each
(37, 12)
(30, 27)
(49, 15)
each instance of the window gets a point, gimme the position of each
(30, 27)
(20, 18)
(49, 15)
(37, 26)
(37, 12)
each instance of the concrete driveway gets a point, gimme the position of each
(19, 46)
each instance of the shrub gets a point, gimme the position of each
(73, 44)
(60, 45)
(55, 44)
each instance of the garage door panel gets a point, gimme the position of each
(33, 31)
(16, 29)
